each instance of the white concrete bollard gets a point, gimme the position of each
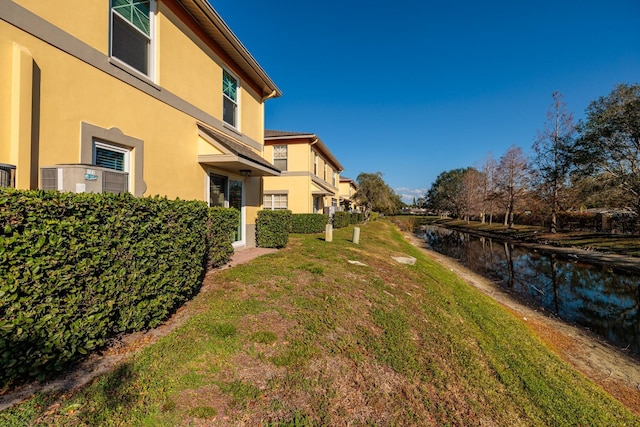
(328, 233)
(356, 235)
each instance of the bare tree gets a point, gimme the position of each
(553, 159)
(512, 180)
(488, 188)
(469, 196)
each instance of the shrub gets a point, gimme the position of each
(78, 269)
(341, 219)
(223, 223)
(308, 223)
(357, 218)
(272, 228)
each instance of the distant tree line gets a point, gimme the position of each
(594, 163)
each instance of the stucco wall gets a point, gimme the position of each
(70, 90)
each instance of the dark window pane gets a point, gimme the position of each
(130, 45)
(229, 111)
(109, 159)
(280, 164)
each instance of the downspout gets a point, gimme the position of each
(273, 94)
(315, 140)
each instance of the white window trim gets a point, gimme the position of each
(243, 211)
(281, 158)
(117, 149)
(237, 102)
(272, 196)
(151, 59)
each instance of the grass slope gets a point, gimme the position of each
(302, 337)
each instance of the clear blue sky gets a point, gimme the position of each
(415, 88)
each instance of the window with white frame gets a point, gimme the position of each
(111, 156)
(275, 201)
(280, 155)
(131, 33)
(315, 163)
(229, 99)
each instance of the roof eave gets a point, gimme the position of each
(238, 51)
(315, 141)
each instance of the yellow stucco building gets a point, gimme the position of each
(348, 188)
(310, 173)
(151, 97)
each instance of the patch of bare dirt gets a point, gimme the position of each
(615, 371)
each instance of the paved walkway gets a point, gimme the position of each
(241, 256)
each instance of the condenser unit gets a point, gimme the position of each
(7, 175)
(79, 178)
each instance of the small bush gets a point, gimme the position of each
(308, 223)
(272, 228)
(357, 218)
(222, 226)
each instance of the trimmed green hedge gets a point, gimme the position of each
(272, 228)
(223, 224)
(356, 218)
(309, 223)
(341, 219)
(78, 269)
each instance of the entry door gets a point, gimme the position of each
(235, 201)
(227, 193)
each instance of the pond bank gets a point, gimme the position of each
(614, 370)
(546, 242)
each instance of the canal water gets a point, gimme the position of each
(598, 297)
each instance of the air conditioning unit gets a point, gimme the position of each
(7, 175)
(329, 210)
(79, 178)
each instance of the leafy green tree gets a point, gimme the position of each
(444, 191)
(553, 155)
(374, 194)
(609, 140)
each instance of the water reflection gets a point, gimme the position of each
(596, 296)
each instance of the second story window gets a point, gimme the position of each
(229, 99)
(315, 164)
(131, 31)
(280, 157)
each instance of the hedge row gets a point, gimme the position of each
(309, 223)
(341, 219)
(272, 228)
(78, 269)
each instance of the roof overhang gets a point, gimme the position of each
(236, 164)
(218, 30)
(313, 139)
(235, 158)
(322, 189)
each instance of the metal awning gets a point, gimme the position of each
(321, 189)
(236, 158)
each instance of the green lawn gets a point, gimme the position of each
(303, 337)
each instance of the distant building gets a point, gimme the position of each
(310, 173)
(348, 188)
